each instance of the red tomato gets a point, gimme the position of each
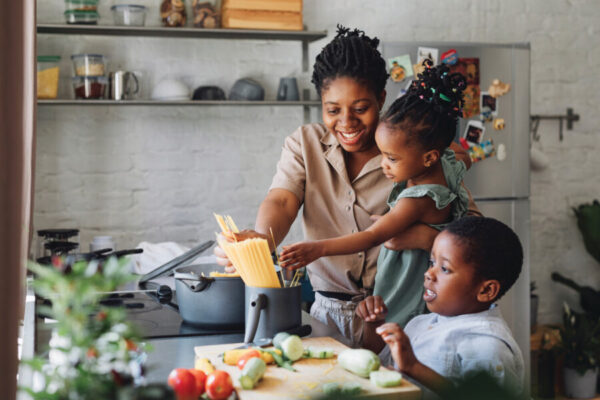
(200, 380)
(219, 385)
(244, 359)
(183, 383)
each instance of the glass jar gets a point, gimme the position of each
(47, 77)
(89, 87)
(89, 64)
(206, 14)
(172, 13)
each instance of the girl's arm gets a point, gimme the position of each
(405, 213)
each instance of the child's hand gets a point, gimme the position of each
(400, 346)
(372, 309)
(300, 254)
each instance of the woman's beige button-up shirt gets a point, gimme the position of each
(312, 167)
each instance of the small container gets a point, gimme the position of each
(81, 17)
(81, 5)
(89, 87)
(206, 14)
(102, 242)
(129, 14)
(47, 77)
(172, 13)
(89, 64)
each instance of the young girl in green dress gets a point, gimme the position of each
(413, 137)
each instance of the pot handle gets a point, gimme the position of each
(256, 305)
(194, 282)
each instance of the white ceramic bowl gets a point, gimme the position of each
(170, 89)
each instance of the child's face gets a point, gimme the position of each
(401, 159)
(351, 113)
(451, 285)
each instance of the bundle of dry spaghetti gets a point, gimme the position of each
(250, 257)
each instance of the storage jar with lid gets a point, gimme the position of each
(206, 13)
(47, 76)
(129, 14)
(89, 87)
(172, 13)
(89, 64)
(81, 17)
(81, 5)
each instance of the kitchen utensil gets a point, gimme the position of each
(247, 89)
(171, 89)
(129, 14)
(288, 90)
(271, 310)
(208, 93)
(88, 64)
(176, 262)
(123, 85)
(207, 301)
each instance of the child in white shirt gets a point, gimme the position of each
(474, 261)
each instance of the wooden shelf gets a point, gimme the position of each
(197, 103)
(157, 31)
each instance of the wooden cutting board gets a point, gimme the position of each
(306, 383)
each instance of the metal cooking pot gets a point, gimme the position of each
(209, 301)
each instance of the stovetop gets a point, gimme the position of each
(154, 319)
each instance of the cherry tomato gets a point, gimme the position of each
(200, 380)
(244, 359)
(183, 383)
(219, 385)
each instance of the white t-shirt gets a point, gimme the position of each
(464, 345)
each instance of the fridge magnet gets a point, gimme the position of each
(481, 151)
(471, 99)
(474, 132)
(469, 68)
(400, 68)
(463, 142)
(501, 152)
(490, 102)
(486, 114)
(499, 125)
(449, 57)
(427, 52)
(498, 88)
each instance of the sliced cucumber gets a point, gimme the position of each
(385, 378)
(292, 347)
(280, 337)
(253, 371)
(351, 388)
(314, 352)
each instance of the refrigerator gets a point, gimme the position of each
(499, 183)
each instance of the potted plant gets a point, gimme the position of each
(533, 304)
(94, 353)
(580, 347)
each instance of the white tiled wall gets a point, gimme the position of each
(157, 174)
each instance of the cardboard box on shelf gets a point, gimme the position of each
(264, 5)
(260, 19)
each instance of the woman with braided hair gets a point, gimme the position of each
(333, 171)
(414, 138)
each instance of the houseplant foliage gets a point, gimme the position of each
(588, 221)
(94, 353)
(580, 341)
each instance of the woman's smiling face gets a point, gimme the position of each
(351, 113)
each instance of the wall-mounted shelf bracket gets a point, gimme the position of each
(534, 121)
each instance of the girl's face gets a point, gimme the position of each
(351, 113)
(451, 284)
(402, 159)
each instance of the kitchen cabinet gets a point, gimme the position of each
(305, 37)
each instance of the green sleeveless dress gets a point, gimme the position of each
(399, 277)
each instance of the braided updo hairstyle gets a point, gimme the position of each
(352, 54)
(429, 111)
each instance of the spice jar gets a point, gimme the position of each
(172, 13)
(47, 77)
(207, 14)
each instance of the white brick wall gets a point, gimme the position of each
(150, 173)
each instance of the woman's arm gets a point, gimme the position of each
(405, 213)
